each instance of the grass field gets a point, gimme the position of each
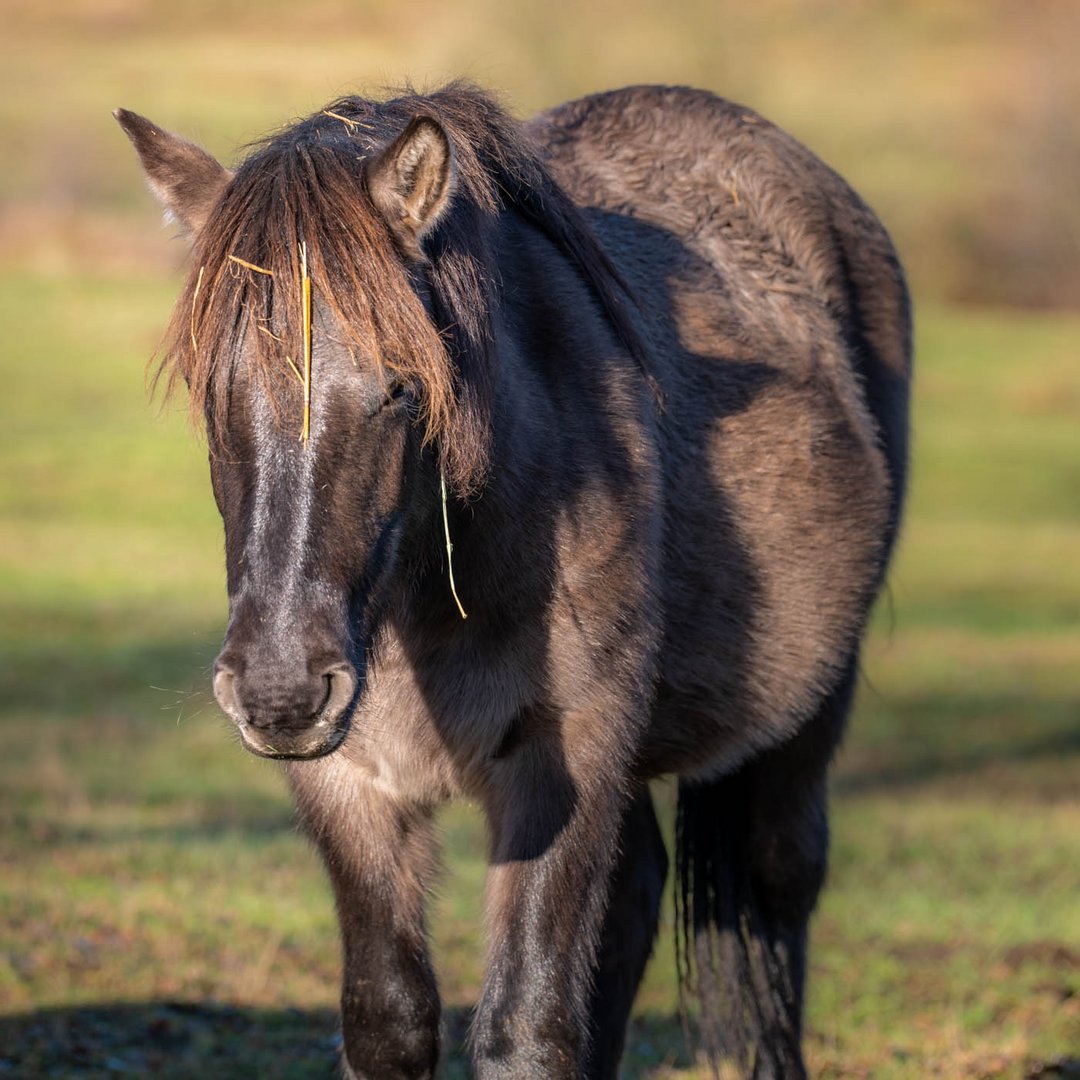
(159, 913)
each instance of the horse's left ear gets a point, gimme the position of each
(411, 180)
(187, 181)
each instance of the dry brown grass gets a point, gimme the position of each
(956, 118)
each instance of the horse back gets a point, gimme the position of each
(778, 332)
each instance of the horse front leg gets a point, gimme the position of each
(633, 913)
(554, 818)
(380, 856)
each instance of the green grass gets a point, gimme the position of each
(149, 861)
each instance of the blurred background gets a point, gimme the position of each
(159, 915)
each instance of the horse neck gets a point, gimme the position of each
(562, 386)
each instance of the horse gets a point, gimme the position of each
(553, 457)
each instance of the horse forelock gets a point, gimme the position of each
(302, 193)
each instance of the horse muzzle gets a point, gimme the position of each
(282, 712)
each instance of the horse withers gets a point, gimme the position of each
(552, 458)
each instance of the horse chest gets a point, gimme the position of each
(426, 732)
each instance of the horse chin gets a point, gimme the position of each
(301, 746)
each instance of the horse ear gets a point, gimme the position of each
(411, 180)
(187, 181)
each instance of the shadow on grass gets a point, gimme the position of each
(926, 766)
(242, 819)
(170, 1039)
(207, 1039)
(965, 737)
(76, 679)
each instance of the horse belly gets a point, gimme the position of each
(774, 551)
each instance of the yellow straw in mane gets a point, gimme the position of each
(305, 284)
(194, 297)
(449, 546)
(294, 369)
(345, 119)
(251, 266)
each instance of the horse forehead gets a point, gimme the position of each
(341, 374)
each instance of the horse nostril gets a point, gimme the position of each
(341, 686)
(225, 692)
(284, 698)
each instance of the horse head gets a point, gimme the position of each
(306, 338)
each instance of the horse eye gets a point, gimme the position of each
(395, 392)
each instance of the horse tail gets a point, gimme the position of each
(726, 967)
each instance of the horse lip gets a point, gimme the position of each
(312, 749)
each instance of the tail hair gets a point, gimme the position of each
(728, 974)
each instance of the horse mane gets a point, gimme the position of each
(305, 186)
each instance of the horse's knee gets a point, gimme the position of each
(401, 1044)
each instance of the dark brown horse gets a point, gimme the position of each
(643, 362)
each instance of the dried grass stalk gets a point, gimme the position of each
(194, 298)
(449, 545)
(251, 266)
(305, 284)
(295, 370)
